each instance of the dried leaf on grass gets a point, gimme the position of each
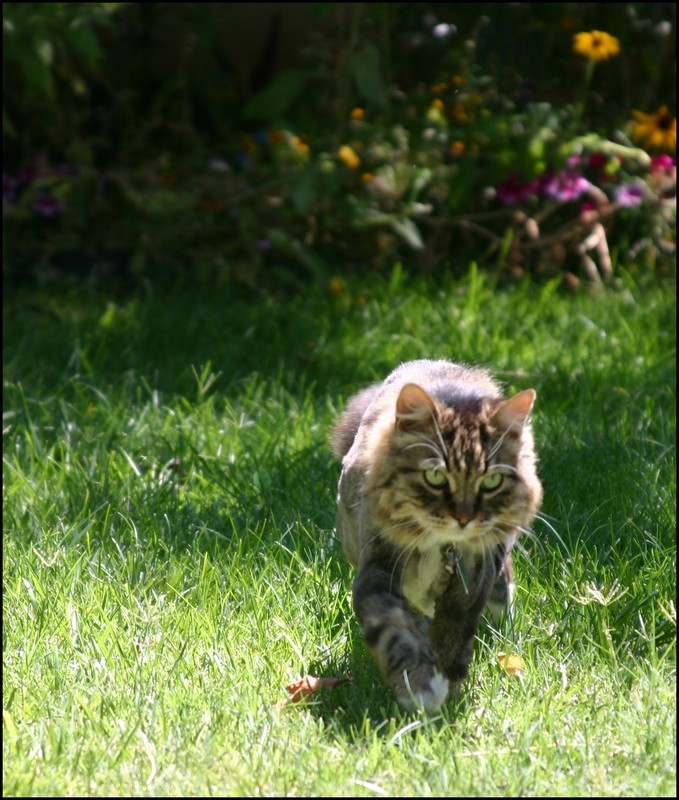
(308, 685)
(511, 663)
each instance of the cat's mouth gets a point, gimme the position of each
(474, 536)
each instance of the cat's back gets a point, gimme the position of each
(445, 380)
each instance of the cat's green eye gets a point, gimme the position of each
(436, 478)
(492, 481)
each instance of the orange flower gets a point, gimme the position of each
(348, 156)
(596, 45)
(657, 130)
(357, 113)
(457, 148)
(301, 147)
(460, 113)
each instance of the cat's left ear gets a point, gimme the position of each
(513, 412)
(414, 407)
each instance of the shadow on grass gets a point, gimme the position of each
(365, 707)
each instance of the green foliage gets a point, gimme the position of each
(49, 50)
(169, 563)
(427, 134)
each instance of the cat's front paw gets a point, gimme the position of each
(427, 692)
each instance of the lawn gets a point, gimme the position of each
(169, 561)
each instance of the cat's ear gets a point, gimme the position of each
(414, 407)
(513, 412)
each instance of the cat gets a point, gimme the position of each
(438, 480)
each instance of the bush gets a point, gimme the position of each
(526, 139)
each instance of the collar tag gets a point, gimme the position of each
(453, 564)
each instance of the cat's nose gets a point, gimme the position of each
(464, 519)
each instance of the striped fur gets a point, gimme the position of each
(438, 480)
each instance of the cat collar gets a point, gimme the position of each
(453, 564)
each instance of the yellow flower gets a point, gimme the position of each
(437, 105)
(336, 285)
(657, 130)
(301, 147)
(348, 156)
(357, 113)
(596, 45)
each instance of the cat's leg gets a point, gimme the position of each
(456, 618)
(396, 637)
(501, 598)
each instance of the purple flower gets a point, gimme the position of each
(47, 205)
(27, 175)
(564, 187)
(264, 244)
(10, 188)
(65, 169)
(515, 190)
(629, 194)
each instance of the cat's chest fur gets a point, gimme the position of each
(423, 580)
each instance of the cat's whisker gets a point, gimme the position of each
(497, 445)
(379, 534)
(507, 467)
(545, 521)
(428, 443)
(408, 552)
(438, 433)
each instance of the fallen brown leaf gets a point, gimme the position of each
(306, 686)
(511, 664)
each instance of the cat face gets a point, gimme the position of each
(460, 474)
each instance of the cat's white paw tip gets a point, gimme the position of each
(429, 699)
(439, 691)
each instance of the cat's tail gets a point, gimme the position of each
(344, 432)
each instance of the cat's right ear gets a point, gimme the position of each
(414, 407)
(513, 412)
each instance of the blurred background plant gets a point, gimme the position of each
(271, 144)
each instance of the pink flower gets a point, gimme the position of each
(629, 194)
(564, 187)
(663, 163)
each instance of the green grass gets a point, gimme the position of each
(169, 559)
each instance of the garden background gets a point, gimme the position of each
(221, 220)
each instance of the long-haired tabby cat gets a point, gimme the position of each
(438, 480)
